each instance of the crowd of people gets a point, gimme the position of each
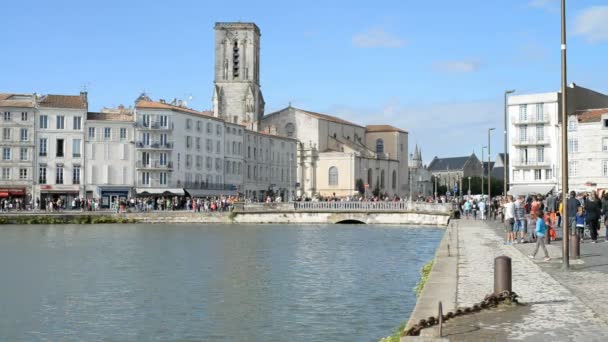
(536, 218)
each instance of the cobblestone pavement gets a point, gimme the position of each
(550, 310)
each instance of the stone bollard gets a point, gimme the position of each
(575, 247)
(502, 274)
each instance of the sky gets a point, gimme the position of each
(437, 69)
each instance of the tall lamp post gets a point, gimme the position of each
(482, 168)
(505, 182)
(564, 114)
(489, 166)
(469, 185)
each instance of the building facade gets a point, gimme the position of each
(334, 155)
(535, 139)
(60, 123)
(17, 146)
(588, 150)
(452, 172)
(110, 156)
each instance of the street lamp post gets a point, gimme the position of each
(564, 114)
(482, 168)
(505, 173)
(489, 166)
(469, 185)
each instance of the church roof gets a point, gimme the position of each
(454, 163)
(317, 115)
(382, 128)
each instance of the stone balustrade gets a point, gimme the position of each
(354, 206)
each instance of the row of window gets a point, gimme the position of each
(59, 175)
(218, 128)
(43, 122)
(145, 178)
(540, 133)
(266, 172)
(7, 134)
(523, 111)
(9, 115)
(60, 147)
(6, 174)
(8, 155)
(107, 133)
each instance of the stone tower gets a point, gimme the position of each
(237, 96)
(416, 158)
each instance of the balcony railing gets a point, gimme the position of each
(154, 145)
(532, 119)
(519, 141)
(154, 125)
(372, 206)
(531, 163)
(155, 164)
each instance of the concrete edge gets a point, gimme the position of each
(442, 282)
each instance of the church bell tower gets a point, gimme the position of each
(237, 96)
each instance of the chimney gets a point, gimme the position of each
(85, 100)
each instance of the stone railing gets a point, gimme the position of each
(373, 206)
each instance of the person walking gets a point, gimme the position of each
(482, 209)
(541, 230)
(580, 223)
(509, 212)
(572, 208)
(593, 212)
(520, 219)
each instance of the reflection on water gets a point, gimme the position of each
(209, 283)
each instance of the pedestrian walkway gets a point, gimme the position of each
(550, 311)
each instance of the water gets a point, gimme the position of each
(208, 283)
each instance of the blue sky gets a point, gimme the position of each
(435, 68)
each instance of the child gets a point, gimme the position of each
(541, 230)
(580, 223)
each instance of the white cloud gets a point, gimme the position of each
(442, 129)
(592, 23)
(377, 38)
(547, 5)
(465, 66)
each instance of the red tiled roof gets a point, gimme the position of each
(63, 101)
(382, 128)
(591, 115)
(109, 116)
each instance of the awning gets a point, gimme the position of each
(3, 194)
(160, 191)
(532, 189)
(209, 192)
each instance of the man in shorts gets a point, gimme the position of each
(520, 219)
(509, 215)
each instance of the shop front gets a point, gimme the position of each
(111, 196)
(62, 197)
(17, 197)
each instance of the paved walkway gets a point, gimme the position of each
(555, 307)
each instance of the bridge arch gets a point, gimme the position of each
(349, 221)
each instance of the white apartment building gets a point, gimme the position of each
(17, 145)
(535, 139)
(269, 165)
(233, 155)
(110, 156)
(588, 150)
(178, 149)
(60, 123)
